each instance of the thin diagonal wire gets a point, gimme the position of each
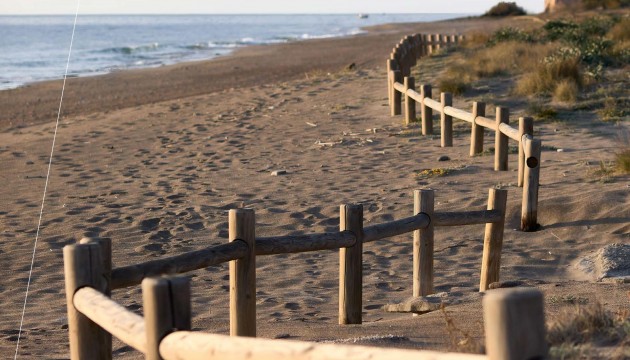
(41, 211)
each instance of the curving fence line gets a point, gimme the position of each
(163, 332)
(401, 85)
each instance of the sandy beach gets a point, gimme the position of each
(155, 158)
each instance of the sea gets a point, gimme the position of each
(35, 48)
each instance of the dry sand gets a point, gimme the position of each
(154, 159)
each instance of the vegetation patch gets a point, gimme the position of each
(584, 324)
(561, 61)
(505, 9)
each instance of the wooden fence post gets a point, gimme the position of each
(529, 209)
(105, 245)
(83, 266)
(423, 242)
(446, 122)
(242, 224)
(476, 134)
(391, 66)
(438, 42)
(501, 140)
(410, 104)
(351, 266)
(396, 95)
(166, 307)
(493, 240)
(525, 127)
(514, 322)
(424, 46)
(426, 112)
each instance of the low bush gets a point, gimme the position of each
(505, 9)
(566, 91)
(549, 74)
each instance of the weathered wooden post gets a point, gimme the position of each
(529, 209)
(391, 66)
(476, 134)
(430, 43)
(446, 122)
(166, 307)
(514, 323)
(105, 246)
(438, 42)
(426, 112)
(83, 266)
(423, 243)
(410, 104)
(425, 44)
(525, 127)
(501, 140)
(351, 266)
(396, 95)
(242, 225)
(493, 240)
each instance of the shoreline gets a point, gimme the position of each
(253, 65)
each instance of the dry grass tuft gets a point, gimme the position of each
(621, 31)
(592, 323)
(566, 91)
(461, 341)
(622, 158)
(547, 75)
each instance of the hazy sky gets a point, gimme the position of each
(253, 6)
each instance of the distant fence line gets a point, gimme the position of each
(162, 333)
(400, 84)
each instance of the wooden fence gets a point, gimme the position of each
(400, 84)
(93, 317)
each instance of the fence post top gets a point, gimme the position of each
(515, 294)
(242, 211)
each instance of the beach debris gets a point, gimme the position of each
(505, 284)
(331, 144)
(311, 124)
(371, 339)
(421, 304)
(278, 172)
(443, 158)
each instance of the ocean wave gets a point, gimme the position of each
(128, 50)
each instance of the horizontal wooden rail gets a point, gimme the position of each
(458, 114)
(435, 105)
(304, 243)
(400, 87)
(133, 274)
(397, 227)
(113, 317)
(485, 122)
(467, 218)
(195, 345)
(416, 96)
(509, 131)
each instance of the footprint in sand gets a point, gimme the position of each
(149, 224)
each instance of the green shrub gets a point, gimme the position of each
(505, 9)
(510, 34)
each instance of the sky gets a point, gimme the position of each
(23, 7)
